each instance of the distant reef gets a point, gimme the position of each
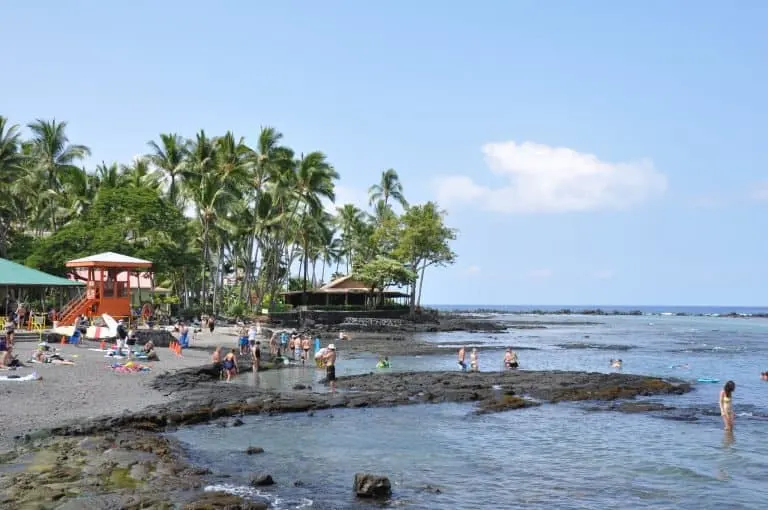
(597, 311)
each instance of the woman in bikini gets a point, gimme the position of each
(726, 405)
(230, 364)
(473, 362)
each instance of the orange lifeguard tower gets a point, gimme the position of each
(108, 286)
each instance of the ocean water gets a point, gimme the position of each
(645, 309)
(553, 456)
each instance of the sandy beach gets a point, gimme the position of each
(89, 388)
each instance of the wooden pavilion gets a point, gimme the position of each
(344, 291)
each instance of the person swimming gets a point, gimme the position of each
(616, 363)
(510, 359)
(383, 363)
(726, 405)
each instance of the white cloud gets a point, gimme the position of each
(539, 274)
(472, 270)
(604, 274)
(541, 178)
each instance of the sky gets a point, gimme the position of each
(587, 152)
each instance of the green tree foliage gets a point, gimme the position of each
(424, 241)
(382, 272)
(257, 216)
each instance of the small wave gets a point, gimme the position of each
(274, 500)
(601, 347)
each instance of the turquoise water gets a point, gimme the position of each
(560, 456)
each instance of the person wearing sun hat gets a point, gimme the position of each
(330, 366)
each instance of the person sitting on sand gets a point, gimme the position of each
(150, 352)
(330, 367)
(462, 358)
(473, 362)
(8, 359)
(510, 359)
(616, 363)
(230, 365)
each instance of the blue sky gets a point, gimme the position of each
(589, 152)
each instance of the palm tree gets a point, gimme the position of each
(389, 187)
(10, 168)
(139, 174)
(348, 218)
(169, 156)
(54, 157)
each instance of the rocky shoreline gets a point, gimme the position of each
(124, 461)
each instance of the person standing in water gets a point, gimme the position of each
(230, 364)
(510, 359)
(256, 353)
(473, 362)
(305, 346)
(462, 358)
(726, 405)
(330, 367)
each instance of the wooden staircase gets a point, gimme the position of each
(74, 309)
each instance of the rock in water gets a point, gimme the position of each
(262, 480)
(254, 450)
(372, 486)
(223, 501)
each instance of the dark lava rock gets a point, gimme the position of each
(302, 387)
(237, 422)
(262, 480)
(432, 489)
(640, 407)
(367, 485)
(253, 450)
(504, 403)
(218, 500)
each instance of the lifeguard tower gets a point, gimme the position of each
(108, 286)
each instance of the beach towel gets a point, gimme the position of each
(29, 377)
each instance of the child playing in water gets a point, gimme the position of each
(726, 404)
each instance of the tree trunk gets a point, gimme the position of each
(421, 282)
(314, 272)
(203, 286)
(322, 272)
